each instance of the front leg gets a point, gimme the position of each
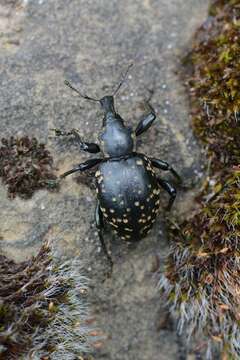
(146, 122)
(100, 227)
(171, 191)
(163, 165)
(85, 146)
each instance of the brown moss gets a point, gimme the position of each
(202, 276)
(26, 166)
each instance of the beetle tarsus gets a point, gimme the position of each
(85, 146)
(171, 191)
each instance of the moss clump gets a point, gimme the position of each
(202, 277)
(215, 83)
(43, 313)
(25, 166)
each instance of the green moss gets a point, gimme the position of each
(215, 83)
(202, 276)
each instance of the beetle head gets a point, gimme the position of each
(117, 139)
(107, 104)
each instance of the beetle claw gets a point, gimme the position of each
(53, 183)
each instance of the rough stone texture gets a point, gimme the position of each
(91, 43)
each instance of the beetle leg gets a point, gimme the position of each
(85, 146)
(100, 227)
(163, 165)
(82, 167)
(170, 189)
(146, 122)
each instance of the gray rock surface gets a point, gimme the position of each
(90, 43)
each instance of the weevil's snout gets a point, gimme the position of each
(107, 103)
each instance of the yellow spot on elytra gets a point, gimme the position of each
(114, 225)
(114, 199)
(125, 221)
(123, 238)
(103, 209)
(112, 211)
(119, 220)
(142, 207)
(128, 236)
(128, 229)
(137, 203)
(149, 218)
(128, 209)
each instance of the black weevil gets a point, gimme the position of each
(127, 187)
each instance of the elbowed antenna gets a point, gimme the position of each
(98, 100)
(78, 92)
(123, 79)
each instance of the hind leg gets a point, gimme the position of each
(100, 228)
